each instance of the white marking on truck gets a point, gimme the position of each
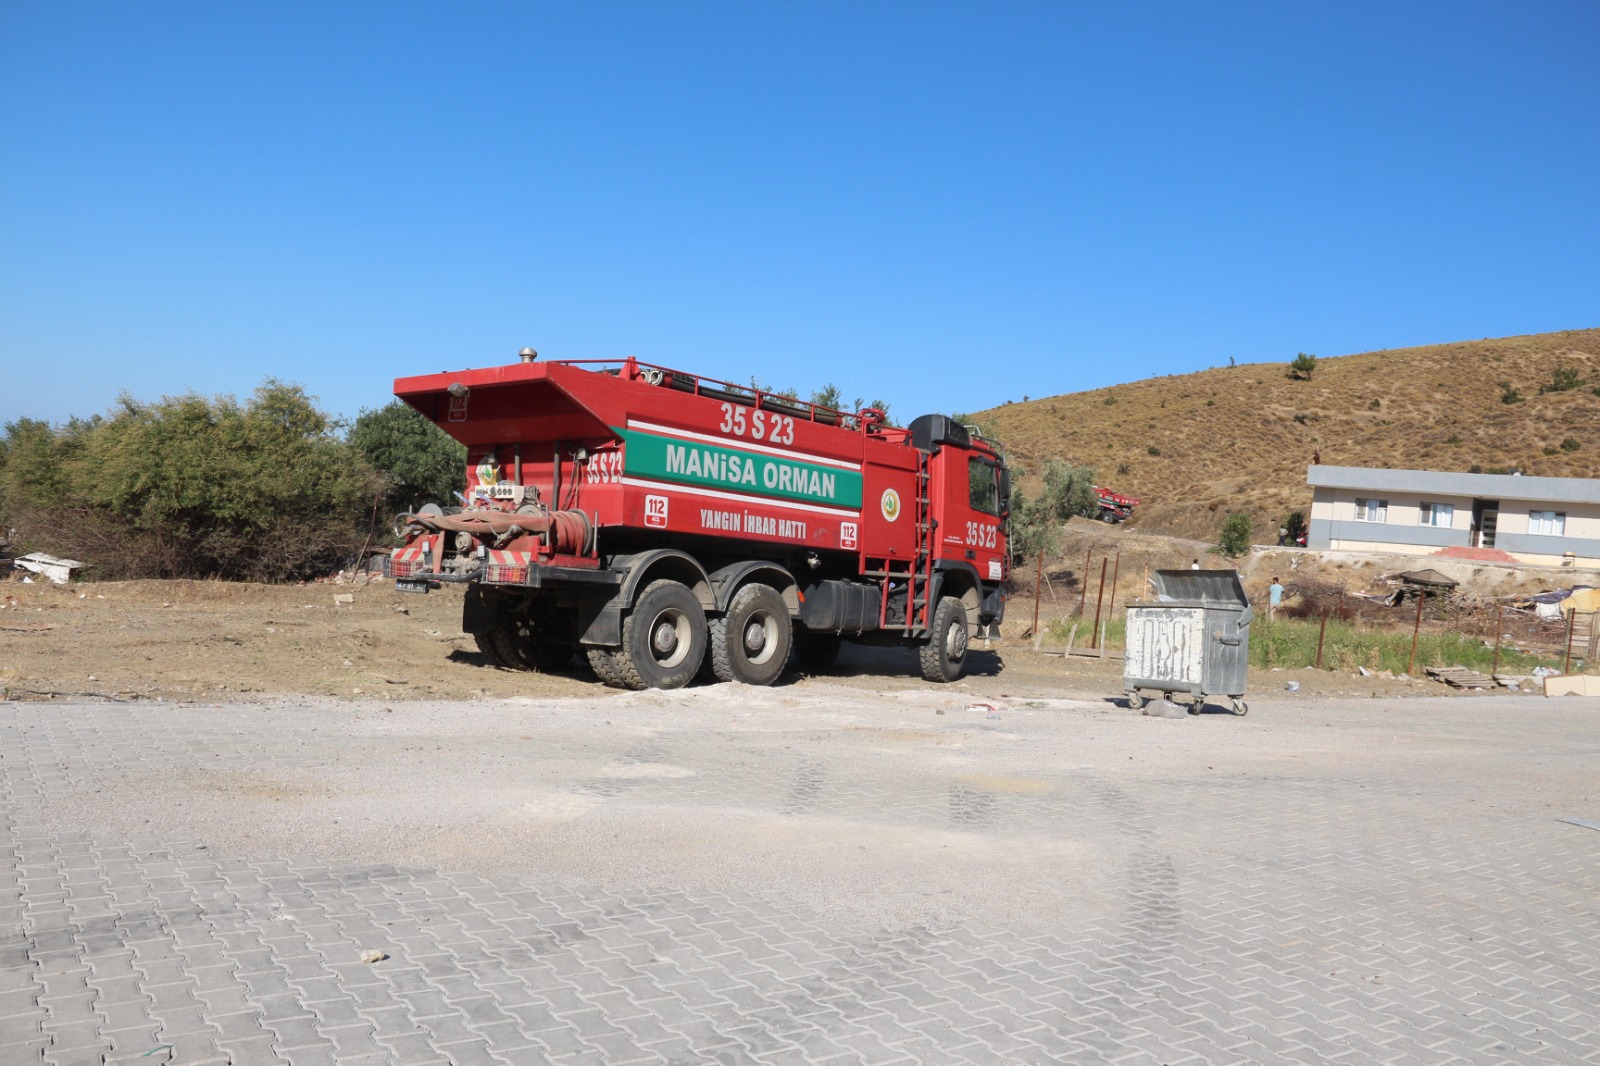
(685, 434)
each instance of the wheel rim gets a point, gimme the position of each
(955, 640)
(760, 638)
(670, 638)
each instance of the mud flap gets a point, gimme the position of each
(479, 613)
(600, 622)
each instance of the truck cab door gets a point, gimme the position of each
(971, 526)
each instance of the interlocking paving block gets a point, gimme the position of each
(1303, 913)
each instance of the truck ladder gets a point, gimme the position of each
(925, 531)
(918, 570)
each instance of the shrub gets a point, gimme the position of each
(1152, 450)
(1234, 540)
(1303, 366)
(1509, 393)
(419, 462)
(193, 487)
(1563, 380)
(1375, 405)
(1570, 444)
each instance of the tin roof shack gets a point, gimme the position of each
(1414, 583)
(1540, 521)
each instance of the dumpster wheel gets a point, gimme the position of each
(1135, 701)
(1198, 704)
(1241, 708)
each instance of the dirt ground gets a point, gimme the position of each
(200, 641)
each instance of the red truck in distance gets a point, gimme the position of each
(665, 525)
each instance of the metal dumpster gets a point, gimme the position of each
(1193, 637)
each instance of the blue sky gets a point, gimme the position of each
(944, 206)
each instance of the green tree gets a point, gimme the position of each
(1036, 522)
(1303, 366)
(420, 463)
(828, 396)
(1236, 535)
(192, 487)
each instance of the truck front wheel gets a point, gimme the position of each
(750, 644)
(663, 639)
(944, 657)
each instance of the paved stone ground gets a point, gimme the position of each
(1421, 906)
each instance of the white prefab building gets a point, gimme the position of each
(1540, 520)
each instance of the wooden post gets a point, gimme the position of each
(1038, 577)
(1116, 568)
(1101, 643)
(1098, 600)
(1572, 617)
(1072, 638)
(1415, 629)
(1322, 629)
(1498, 630)
(1083, 600)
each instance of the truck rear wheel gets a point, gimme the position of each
(603, 661)
(663, 638)
(489, 644)
(750, 644)
(944, 657)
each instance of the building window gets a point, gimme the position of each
(1372, 510)
(1547, 523)
(1437, 514)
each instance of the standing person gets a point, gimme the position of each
(1274, 598)
(1195, 565)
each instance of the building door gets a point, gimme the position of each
(1485, 516)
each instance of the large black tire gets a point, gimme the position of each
(508, 643)
(750, 644)
(489, 644)
(663, 638)
(816, 652)
(605, 664)
(944, 656)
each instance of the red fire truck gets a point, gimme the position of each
(667, 525)
(1114, 507)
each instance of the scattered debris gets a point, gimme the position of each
(57, 570)
(373, 955)
(344, 598)
(1572, 685)
(1580, 821)
(1460, 677)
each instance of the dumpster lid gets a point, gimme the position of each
(1199, 588)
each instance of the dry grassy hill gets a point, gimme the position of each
(1195, 447)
